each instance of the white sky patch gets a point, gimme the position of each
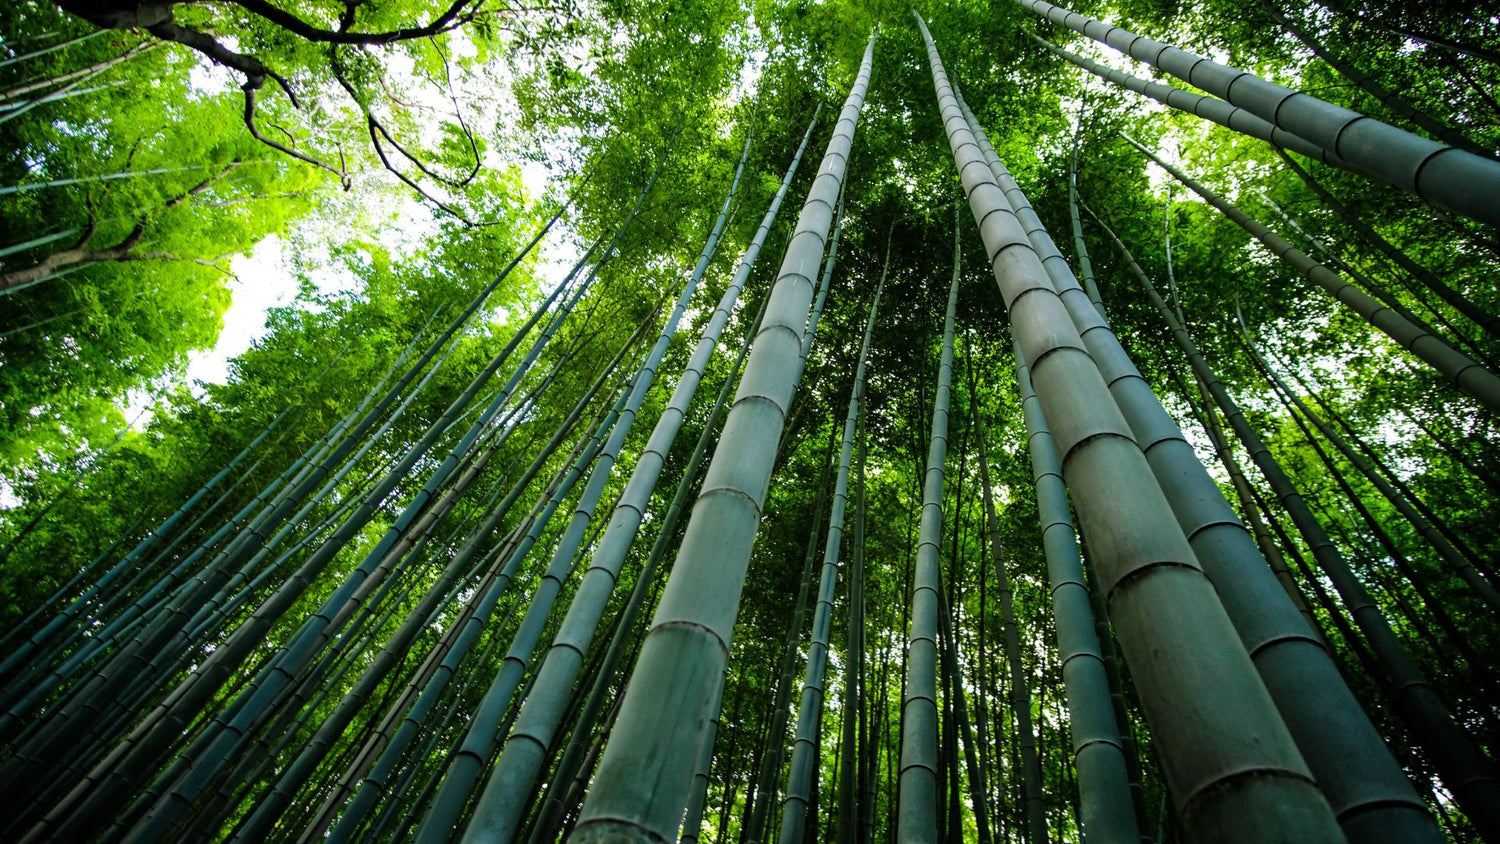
(261, 282)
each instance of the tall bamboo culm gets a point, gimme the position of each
(806, 748)
(644, 777)
(506, 794)
(1468, 774)
(1459, 369)
(917, 811)
(1229, 760)
(467, 764)
(1373, 799)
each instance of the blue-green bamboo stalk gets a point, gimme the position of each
(1453, 178)
(805, 747)
(1208, 731)
(917, 812)
(664, 715)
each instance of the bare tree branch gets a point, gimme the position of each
(377, 131)
(340, 171)
(122, 251)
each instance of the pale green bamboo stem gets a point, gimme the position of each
(771, 762)
(1450, 177)
(467, 763)
(806, 747)
(645, 776)
(1106, 805)
(1208, 108)
(1468, 774)
(1211, 734)
(1373, 798)
(572, 769)
(916, 814)
(505, 795)
(1386, 97)
(1461, 370)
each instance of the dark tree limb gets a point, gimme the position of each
(459, 13)
(378, 131)
(341, 171)
(79, 253)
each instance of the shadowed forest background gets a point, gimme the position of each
(391, 577)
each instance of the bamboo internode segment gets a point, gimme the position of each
(1105, 804)
(1373, 799)
(504, 796)
(917, 814)
(1206, 107)
(645, 775)
(1450, 177)
(1214, 720)
(810, 709)
(467, 764)
(1469, 774)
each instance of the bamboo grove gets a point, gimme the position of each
(992, 423)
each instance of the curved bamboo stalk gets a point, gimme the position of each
(664, 714)
(1461, 370)
(1450, 177)
(1145, 563)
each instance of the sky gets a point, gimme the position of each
(262, 282)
